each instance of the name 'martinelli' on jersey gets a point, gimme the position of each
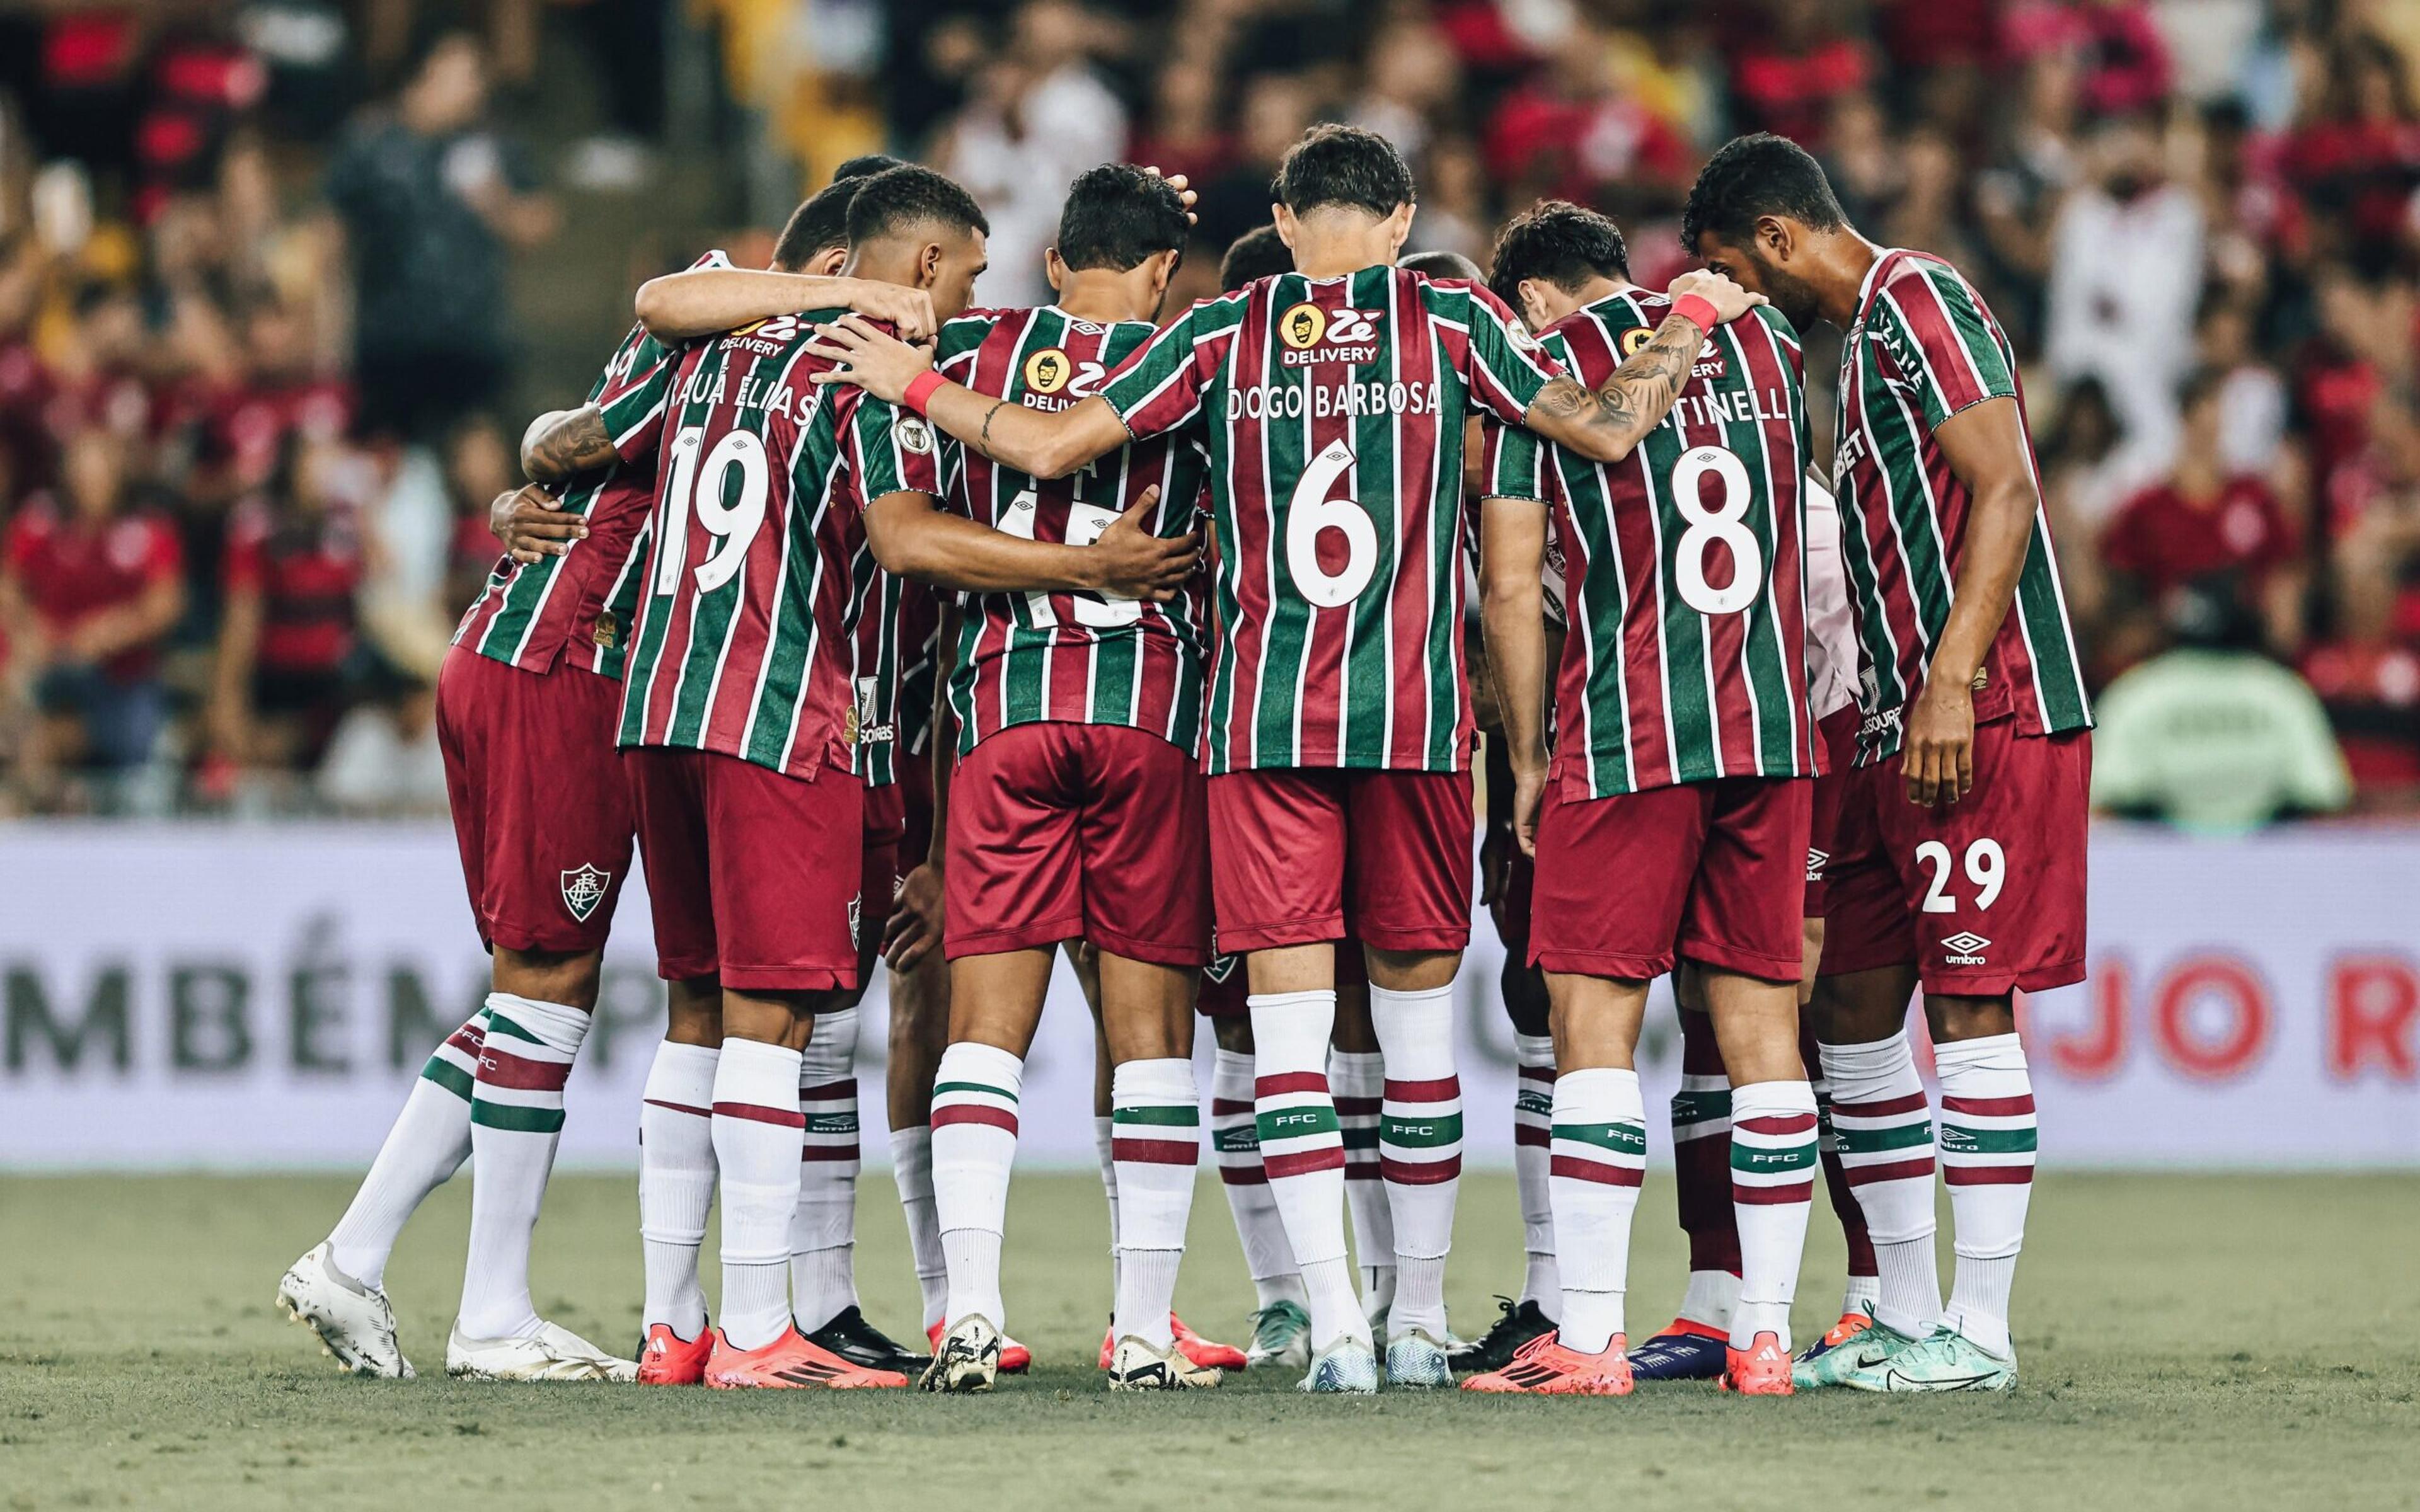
(1332, 410)
(1682, 587)
(1086, 659)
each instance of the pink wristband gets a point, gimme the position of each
(1698, 311)
(921, 387)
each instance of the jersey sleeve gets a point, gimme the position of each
(891, 452)
(1503, 364)
(1514, 462)
(1935, 332)
(954, 347)
(635, 403)
(1162, 385)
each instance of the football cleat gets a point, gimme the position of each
(1348, 1366)
(789, 1362)
(1761, 1369)
(1849, 1327)
(862, 1344)
(355, 1322)
(1416, 1361)
(1281, 1336)
(1493, 1350)
(1136, 1364)
(966, 1359)
(666, 1359)
(1197, 1349)
(1015, 1358)
(1543, 1367)
(1687, 1350)
(1948, 1361)
(553, 1353)
(1861, 1350)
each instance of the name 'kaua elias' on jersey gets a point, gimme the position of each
(743, 640)
(580, 604)
(1082, 657)
(1332, 410)
(1923, 348)
(1683, 573)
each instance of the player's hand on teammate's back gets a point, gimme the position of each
(530, 527)
(1937, 753)
(881, 365)
(910, 310)
(1127, 560)
(1729, 301)
(915, 924)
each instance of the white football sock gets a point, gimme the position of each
(1157, 1145)
(1103, 1138)
(1358, 1082)
(911, 1168)
(974, 1147)
(1772, 1189)
(427, 1143)
(676, 1176)
(757, 1135)
(1711, 1299)
(823, 1227)
(1303, 1152)
(1533, 1116)
(1235, 1144)
(1987, 1160)
(1600, 1158)
(1420, 1148)
(516, 1123)
(1885, 1129)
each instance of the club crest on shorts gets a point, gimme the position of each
(584, 888)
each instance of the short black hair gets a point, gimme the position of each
(1343, 166)
(865, 165)
(1442, 264)
(1117, 215)
(818, 225)
(1559, 243)
(898, 198)
(1258, 253)
(1755, 175)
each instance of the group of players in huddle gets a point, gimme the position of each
(887, 627)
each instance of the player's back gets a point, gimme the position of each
(1081, 657)
(754, 577)
(1684, 571)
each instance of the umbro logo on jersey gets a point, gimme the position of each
(1964, 949)
(584, 889)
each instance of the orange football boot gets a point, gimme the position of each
(1849, 1327)
(1543, 1367)
(1762, 1369)
(791, 1362)
(666, 1359)
(1015, 1358)
(1207, 1354)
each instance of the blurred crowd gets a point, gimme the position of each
(248, 364)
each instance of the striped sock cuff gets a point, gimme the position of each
(454, 1065)
(1598, 1132)
(1773, 1143)
(1357, 1079)
(681, 1079)
(1297, 1121)
(1155, 1114)
(524, 1060)
(1234, 1138)
(1988, 1128)
(977, 1084)
(1533, 1091)
(1420, 1132)
(1701, 1108)
(831, 1123)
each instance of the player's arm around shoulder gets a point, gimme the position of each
(1604, 424)
(1046, 445)
(705, 302)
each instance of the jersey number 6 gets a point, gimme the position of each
(1310, 512)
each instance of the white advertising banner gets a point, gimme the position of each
(199, 996)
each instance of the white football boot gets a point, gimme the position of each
(1137, 1365)
(553, 1353)
(966, 1359)
(355, 1322)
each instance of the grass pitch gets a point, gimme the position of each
(2187, 1342)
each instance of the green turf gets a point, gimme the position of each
(2187, 1342)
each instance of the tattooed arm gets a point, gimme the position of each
(563, 444)
(1604, 425)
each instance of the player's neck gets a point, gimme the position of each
(881, 263)
(1100, 295)
(1333, 253)
(1843, 258)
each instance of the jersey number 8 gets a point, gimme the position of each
(1725, 522)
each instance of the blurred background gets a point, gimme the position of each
(281, 281)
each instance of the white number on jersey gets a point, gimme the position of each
(1725, 522)
(697, 488)
(1085, 523)
(1310, 512)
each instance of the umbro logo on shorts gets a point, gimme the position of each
(1964, 949)
(584, 889)
(1815, 861)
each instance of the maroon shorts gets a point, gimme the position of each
(1982, 895)
(540, 811)
(1714, 872)
(1063, 831)
(753, 875)
(1302, 855)
(1836, 734)
(1226, 992)
(885, 860)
